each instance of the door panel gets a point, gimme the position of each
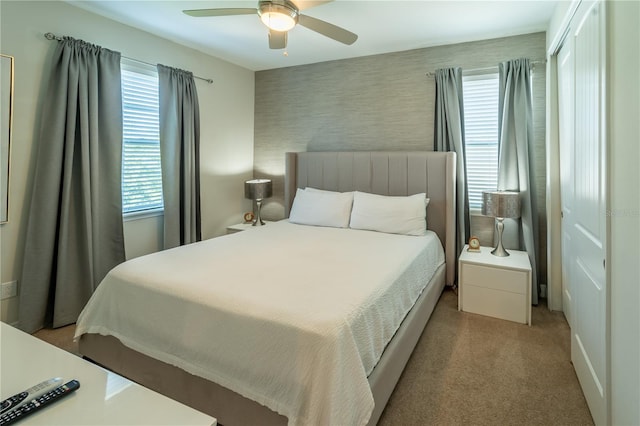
(566, 142)
(588, 232)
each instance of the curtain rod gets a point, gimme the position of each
(51, 36)
(533, 63)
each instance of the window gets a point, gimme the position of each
(141, 172)
(480, 94)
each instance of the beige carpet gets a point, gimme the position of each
(473, 370)
(61, 337)
(470, 369)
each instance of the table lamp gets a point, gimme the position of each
(257, 190)
(501, 205)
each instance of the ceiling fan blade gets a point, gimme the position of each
(277, 39)
(198, 13)
(308, 4)
(327, 29)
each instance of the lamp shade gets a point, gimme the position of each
(258, 189)
(501, 204)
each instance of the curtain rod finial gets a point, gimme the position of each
(52, 36)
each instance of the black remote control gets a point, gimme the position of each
(35, 404)
(33, 392)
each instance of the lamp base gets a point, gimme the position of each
(257, 221)
(500, 250)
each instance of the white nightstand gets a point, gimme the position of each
(238, 227)
(495, 286)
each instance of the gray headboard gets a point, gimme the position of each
(385, 173)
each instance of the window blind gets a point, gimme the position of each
(480, 93)
(141, 172)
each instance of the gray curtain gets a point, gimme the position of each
(74, 231)
(516, 156)
(449, 136)
(180, 154)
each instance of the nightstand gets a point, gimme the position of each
(495, 286)
(238, 227)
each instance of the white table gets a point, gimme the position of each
(495, 286)
(104, 398)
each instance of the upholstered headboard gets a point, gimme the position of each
(385, 173)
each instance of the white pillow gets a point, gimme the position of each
(394, 215)
(321, 208)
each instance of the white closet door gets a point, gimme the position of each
(566, 100)
(588, 239)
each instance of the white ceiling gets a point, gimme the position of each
(382, 26)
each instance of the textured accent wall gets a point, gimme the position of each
(381, 102)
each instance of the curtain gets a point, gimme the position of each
(516, 156)
(180, 156)
(449, 136)
(74, 231)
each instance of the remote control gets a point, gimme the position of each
(33, 392)
(35, 404)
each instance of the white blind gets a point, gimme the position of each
(480, 93)
(141, 173)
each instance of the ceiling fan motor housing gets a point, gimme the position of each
(279, 15)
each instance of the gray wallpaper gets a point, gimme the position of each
(381, 102)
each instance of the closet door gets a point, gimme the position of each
(567, 181)
(589, 326)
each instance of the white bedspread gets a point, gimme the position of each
(294, 317)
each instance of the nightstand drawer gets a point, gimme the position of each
(495, 303)
(497, 279)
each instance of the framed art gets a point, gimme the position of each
(6, 118)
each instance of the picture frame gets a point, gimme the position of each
(6, 121)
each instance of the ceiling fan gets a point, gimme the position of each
(282, 15)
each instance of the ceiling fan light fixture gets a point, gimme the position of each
(278, 17)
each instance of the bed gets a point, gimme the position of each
(160, 319)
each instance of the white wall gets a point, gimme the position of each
(623, 87)
(226, 111)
